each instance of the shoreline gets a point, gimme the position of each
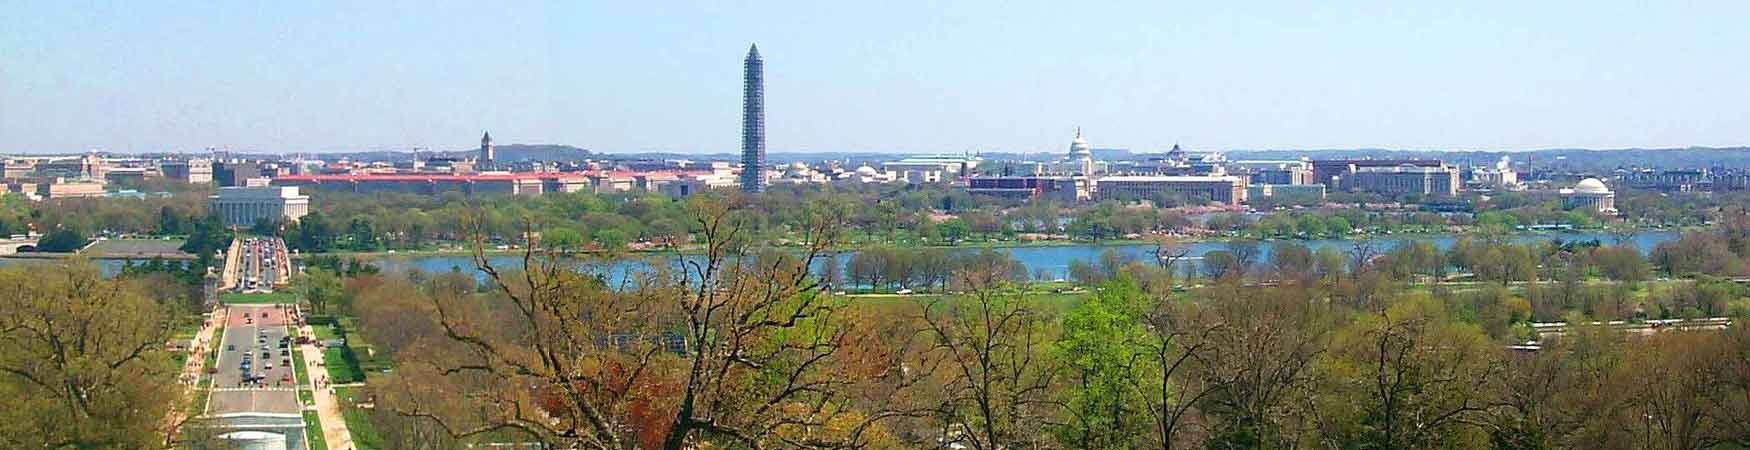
(385, 254)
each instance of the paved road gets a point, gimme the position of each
(248, 331)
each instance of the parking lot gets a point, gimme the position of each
(265, 384)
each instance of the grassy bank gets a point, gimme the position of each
(258, 298)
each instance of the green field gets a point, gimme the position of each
(324, 332)
(298, 370)
(341, 369)
(358, 421)
(313, 429)
(258, 298)
(135, 247)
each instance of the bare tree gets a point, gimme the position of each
(1179, 335)
(1168, 253)
(1407, 378)
(1259, 364)
(737, 350)
(986, 355)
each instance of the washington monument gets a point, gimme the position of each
(753, 122)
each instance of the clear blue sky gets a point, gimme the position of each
(875, 76)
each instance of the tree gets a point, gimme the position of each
(1220, 264)
(611, 239)
(562, 238)
(81, 361)
(738, 352)
(314, 233)
(265, 227)
(1253, 354)
(62, 240)
(985, 355)
(1407, 377)
(1246, 253)
(1621, 263)
(954, 230)
(362, 233)
(1291, 260)
(320, 288)
(169, 222)
(1098, 348)
(206, 236)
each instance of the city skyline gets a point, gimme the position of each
(956, 78)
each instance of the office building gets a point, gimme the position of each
(17, 168)
(235, 173)
(77, 188)
(193, 171)
(1325, 171)
(1286, 193)
(1274, 172)
(950, 167)
(1228, 190)
(1406, 179)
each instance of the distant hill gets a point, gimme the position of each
(1576, 159)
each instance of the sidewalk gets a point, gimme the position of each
(193, 368)
(327, 407)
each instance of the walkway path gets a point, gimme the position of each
(327, 406)
(195, 365)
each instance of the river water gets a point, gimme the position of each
(1051, 260)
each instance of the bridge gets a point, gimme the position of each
(1547, 330)
(12, 246)
(1642, 327)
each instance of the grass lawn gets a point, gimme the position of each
(324, 332)
(186, 330)
(313, 431)
(340, 368)
(132, 247)
(298, 370)
(258, 298)
(212, 356)
(364, 433)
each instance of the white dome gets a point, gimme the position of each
(1591, 186)
(866, 171)
(798, 165)
(1078, 148)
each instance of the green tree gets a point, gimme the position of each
(363, 234)
(611, 239)
(1408, 377)
(82, 364)
(562, 238)
(320, 288)
(62, 240)
(1098, 348)
(314, 233)
(265, 227)
(169, 222)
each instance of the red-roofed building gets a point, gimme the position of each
(433, 184)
